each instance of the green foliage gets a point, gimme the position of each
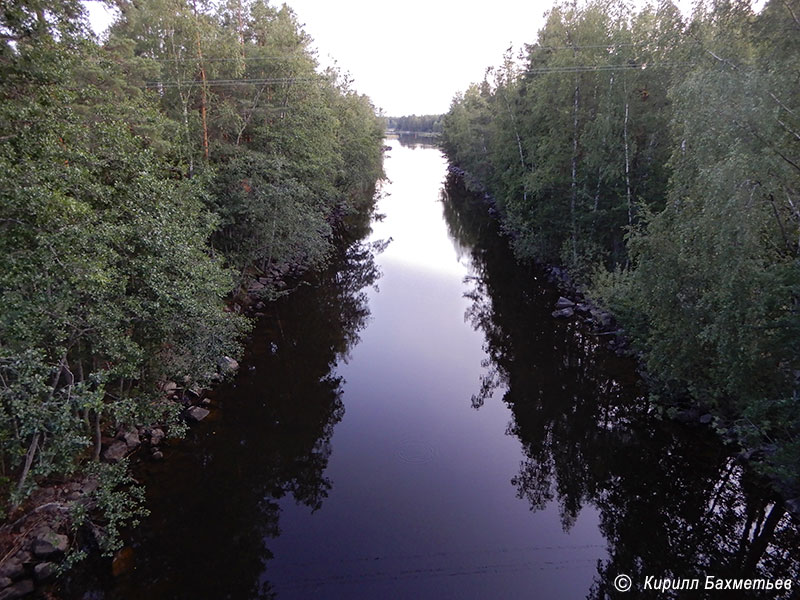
(25, 21)
(416, 123)
(466, 134)
(570, 136)
(106, 282)
(267, 216)
(291, 151)
(658, 159)
(716, 279)
(31, 409)
(119, 502)
(135, 200)
(360, 143)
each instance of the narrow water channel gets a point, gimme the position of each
(422, 503)
(416, 425)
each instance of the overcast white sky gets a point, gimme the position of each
(411, 57)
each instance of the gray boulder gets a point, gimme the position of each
(601, 317)
(49, 544)
(12, 569)
(131, 439)
(44, 571)
(228, 364)
(562, 303)
(255, 287)
(157, 436)
(18, 590)
(196, 414)
(116, 451)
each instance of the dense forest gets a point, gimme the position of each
(655, 156)
(416, 123)
(590, 435)
(195, 158)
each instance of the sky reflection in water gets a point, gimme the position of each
(422, 503)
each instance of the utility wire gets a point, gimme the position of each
(212, 82)
(591, 68)
(533, 71)
(631, 45)
(221, 59)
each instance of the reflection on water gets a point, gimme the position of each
(348, 460)
(215, 501)
(413, 140)
(673, 502)
(421, 505)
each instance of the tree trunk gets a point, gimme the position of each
(574, 192)
(762, 537)
(519, 144)
(28, 462)
(203, 115)
(627, 165)
(204, 88)
(97, 437)
(186, 129)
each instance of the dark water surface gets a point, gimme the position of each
(433, 433)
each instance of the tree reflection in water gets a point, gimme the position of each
(411, 140)
(215, 500)
(673, 501)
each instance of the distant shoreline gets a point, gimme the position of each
(394, 134)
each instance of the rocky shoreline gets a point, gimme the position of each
(27, 566)
(40, 539)
(573, 305)
(604, 325)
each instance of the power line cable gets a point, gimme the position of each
(225, 82)
(591, 68)
(221, 59)
(588, 46)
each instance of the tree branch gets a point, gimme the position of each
(791, 12)
(28, 462)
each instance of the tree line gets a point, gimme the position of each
(655, 156)
(589, 435)
(416, 123)
(193, 155)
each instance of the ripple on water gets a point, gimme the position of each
(417, 451)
